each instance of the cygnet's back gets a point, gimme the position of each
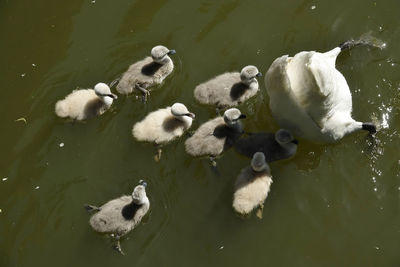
(204, 142)
(266, 143)
(85, 103)
(147, 72)
(120, 215)
(161, 126)
(252, 187)
(228, 89)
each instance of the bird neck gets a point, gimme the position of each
(341, 124)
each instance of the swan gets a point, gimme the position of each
(163, 125)
(85, 103)
(252, 186)
(215, 136)
(229, 89)
(311, 98)
(148, 72)
(121, 215)
(275, 146)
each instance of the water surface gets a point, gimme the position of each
(332, 205)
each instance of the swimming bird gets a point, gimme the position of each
(215, 136)
(252, 186)
(121, 215)
(163, 125)
(229, 89)
(86, 103)
(275, 146)
(311, 98)
(148, 72)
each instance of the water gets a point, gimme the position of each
(335, 205)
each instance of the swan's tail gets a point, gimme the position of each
(365, 39)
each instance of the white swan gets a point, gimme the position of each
(311, 98)
(121, 215)
(85, 103)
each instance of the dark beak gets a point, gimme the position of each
(369, 126)
(113, 96)
(295, 141)
(144, 184)
(171, 52)
(242, 116)
(259, 74)
(191, 115)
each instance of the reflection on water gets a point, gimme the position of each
(336, 204)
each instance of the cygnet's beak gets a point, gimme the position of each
(143, 183)
(191, 115)
(295, 141)
(259, 74)
(113, 96)
(171, 52)
(242, 116)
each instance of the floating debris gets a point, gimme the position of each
(1, 211)
(33, 65)
(37, 187)
(61, 144)
(4, 179)
(93, 1)
(21, 119)
(221, 247)
(313, 7)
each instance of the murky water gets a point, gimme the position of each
(334, 205)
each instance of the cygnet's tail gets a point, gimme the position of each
(62, 109)
(365, 39)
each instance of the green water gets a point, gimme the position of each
(333, 205)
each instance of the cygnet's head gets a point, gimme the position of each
(160, 54)
(249, 74)
(139, 194)
(180, 111)
(258, 162)
(285, 137)
(232, 116)
(103, 91)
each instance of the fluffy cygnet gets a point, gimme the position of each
(163, 125)
(252, 186)
(148, 72)
(275, 146)
(121, 215)
(229, 89)
(215, 136)
(86, 103)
